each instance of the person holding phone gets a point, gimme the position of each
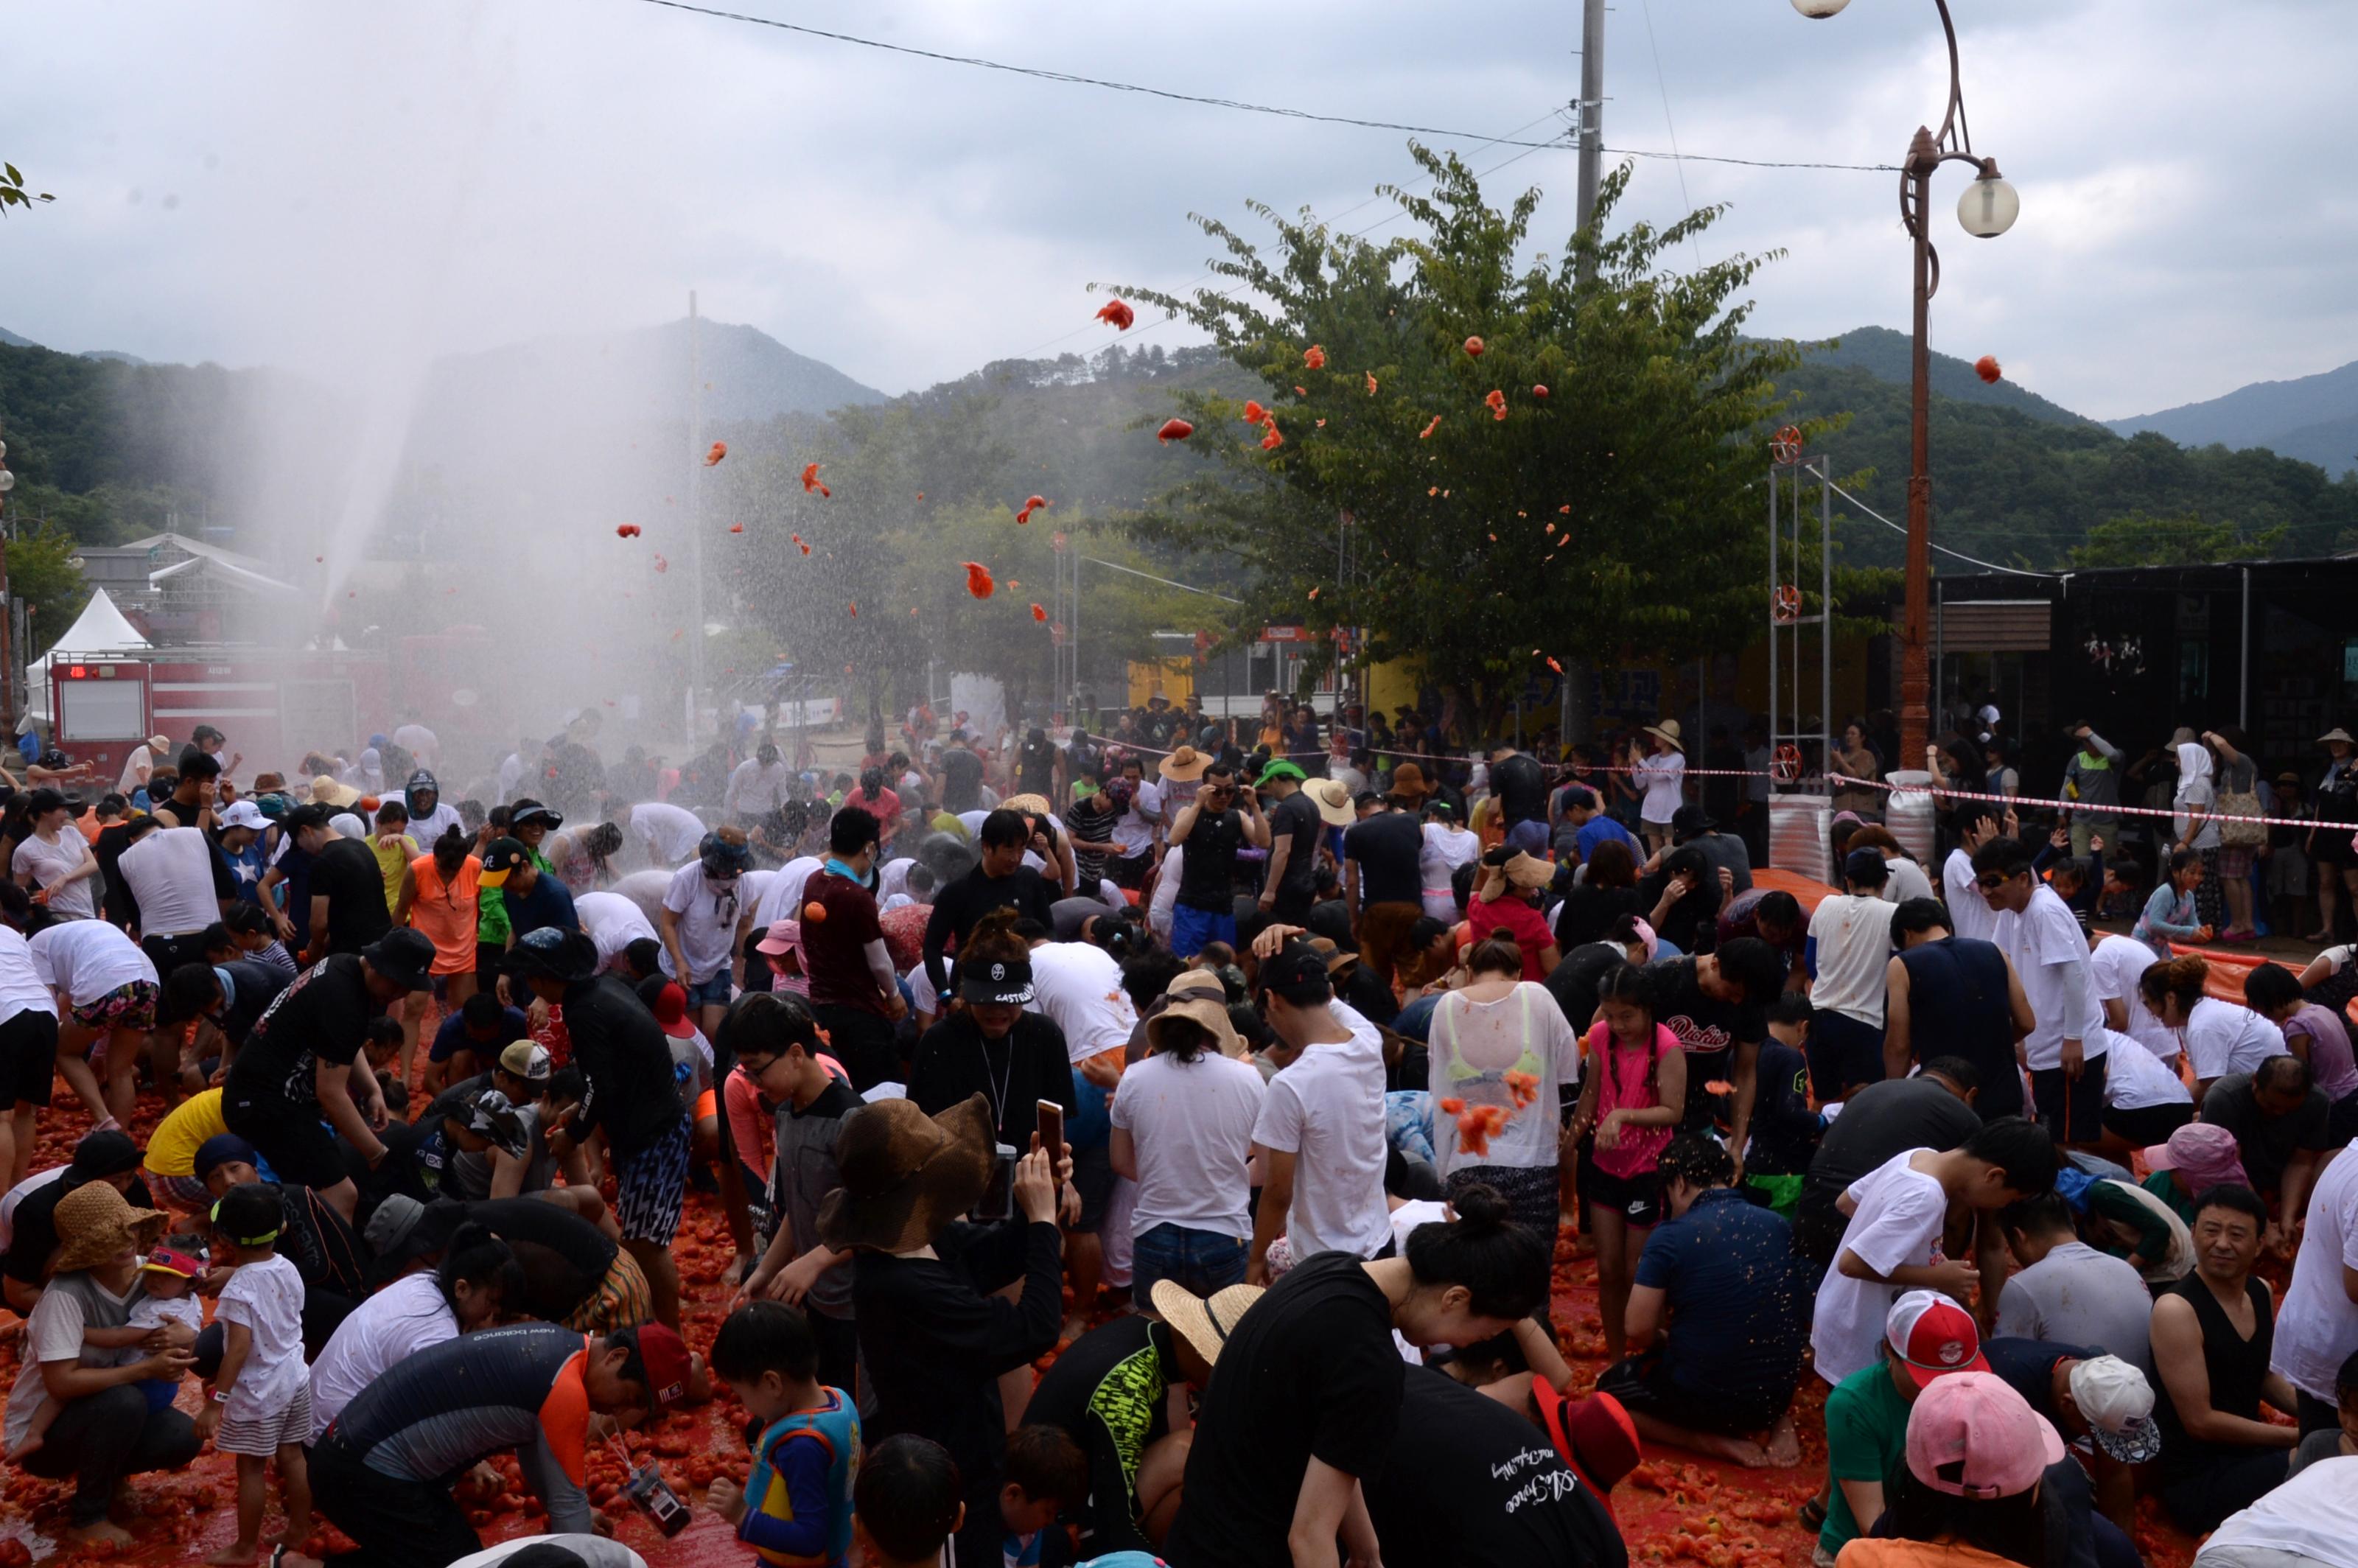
(1214, 826)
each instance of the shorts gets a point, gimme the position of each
(261, 1436)
(1191, 929)
(1638, 1198)
(130, 1007)
(2072, 1112)
(28, 1057)
(714, 991)
(1780, 1195)
(622, 1300)
(1644, 1386)
(169, 953)
(291, 1137)
(2148, 1125)
(2236, 863)
(650, 1185)
(1843, 1053)
(2330, 847)
(1093, 1178)
(180, 1192)
(1130, 872)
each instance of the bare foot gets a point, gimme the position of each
(92, 1534)
(236, 1554)
(296, 1533)
(32, 1444)
(1784, 1449)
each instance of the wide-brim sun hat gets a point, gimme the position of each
(2337, 733)
(1204, 1322)
(1185, 766)
(1207, 1008)
(95, 1225)
(906, 1175)
(1407, 780)
(1669, 730)
(1333, 799)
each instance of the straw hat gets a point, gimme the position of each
(1669, 730)
(906, 1175)
(1186, 765)
(1036, 805)
(1518, 871)
(1333, 799)
(1407, 780)
(326, 791)
(1204, 1325)
(95, 1226)
(1205, 1008)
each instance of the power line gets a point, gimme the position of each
(1959, 555)
(1073, 79)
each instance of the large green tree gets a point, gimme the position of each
(1613, 515)
(2140, 539)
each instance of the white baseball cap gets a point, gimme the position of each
(2118, 1404)
(243, 814)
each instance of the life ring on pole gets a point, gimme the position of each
(1786, 445)
(1786, 767)
(1785, 606)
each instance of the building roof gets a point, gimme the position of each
(230, 569)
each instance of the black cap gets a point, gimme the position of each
(502, 856)
(1579, 795)
(1867, 866)
(1298, 974)
(402, 956)
(1004, 982)
(110, 1152)
(1688, 820)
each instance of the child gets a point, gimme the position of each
(1045, 1472)
(908, 1502)
(1631, 1100)
(261, 1402)
(808, 1450)
(1784, 1128)
(782, 947)
(1899, 1214)
(2170, 914)
(393, 849)
(168, 1277)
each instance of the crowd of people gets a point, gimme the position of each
(1261, 1080)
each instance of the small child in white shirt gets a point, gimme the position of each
(261, 1404)
(167, 1279)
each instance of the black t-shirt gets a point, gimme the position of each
(257, 986)
(1311, 1372)
(962, 780)
(1106, 1391)
(1573, 981)
(1387, 846)
(1207, 874)
(1784, 1127)
(346, 874)
(1468, 1483)
(1879, 1121)
(320, 1017)
(1029, 1064)
(1588, 912)
(1691, 924)
(1296, 818)
(626, 1056)
(1521, 784)
(112, 841)
(1708, 1031)
(1036, 768)
(966, 901)
(563, 1256)
(35, 1237)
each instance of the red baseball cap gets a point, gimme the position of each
(666, 1362)
(1595, 1436)
(1933, 1337)
(671, 1010)
(164, 1260)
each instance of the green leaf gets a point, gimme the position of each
(14, 177)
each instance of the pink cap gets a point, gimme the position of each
(784, 936)
(1971, 1435)
(2204, 1154)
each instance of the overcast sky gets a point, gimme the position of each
(322, 186)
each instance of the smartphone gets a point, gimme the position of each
(1052, 1129)
(997, 1200)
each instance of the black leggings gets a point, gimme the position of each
(100, 1438)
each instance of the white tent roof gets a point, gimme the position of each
(100, 628)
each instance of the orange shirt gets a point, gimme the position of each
(444, 912)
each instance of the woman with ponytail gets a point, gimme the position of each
(469, 1289)
(2222, 1037)
(1306, 1388)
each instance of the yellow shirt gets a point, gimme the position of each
(172, 1148)
(393, 858)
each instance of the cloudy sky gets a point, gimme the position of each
(328, 187)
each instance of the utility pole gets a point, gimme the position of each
(1573, 714)
(694, 519)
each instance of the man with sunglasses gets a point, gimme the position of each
(2041, 938)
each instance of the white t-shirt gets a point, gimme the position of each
(2225, 1037)
(612, 922)
(595, 1552)
(670, 833)
(1662, 779)
(49, 864)
(1079, 988)
(1328, 1110)
(88, 958)
(53, 1333)
(1907, 881)
(754, 789)
(784, 897)
(1898, 1224)
(22, 989)
(1133, 834)
(2314, 1515)
(1192, 1125)
(170, 873)
(2118, 963)
(708, 923)
(1853, 936)
(2316, 1325)
(754, 885)
(2134, 1077)
(1969, 912)
(266, 1296)
(436, 822)
(1445, 849)
(2050, 954)
(136, 769)
(1475, 1044)
(1166, 890)
(154, 1312)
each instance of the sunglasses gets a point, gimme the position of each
(1992, 881)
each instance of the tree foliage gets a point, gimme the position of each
(1646, 448)
(2140, 539)
(43, 573)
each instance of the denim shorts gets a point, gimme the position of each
(715, 992)
(1203, 1260)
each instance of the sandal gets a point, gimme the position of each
(1812, 1515)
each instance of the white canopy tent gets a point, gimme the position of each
(100, 628)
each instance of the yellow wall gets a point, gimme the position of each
(1173, 679)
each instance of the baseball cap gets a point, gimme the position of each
(1971, 1435)
(2118, 1404)
(243, 814)
(784, 936)
(1933, 1337)
(489, 1115)
(1004, 982)
(164, 1260)
(1867, 866)
(666, 1363)
(502, 856)
(525, 1061)
(1298, 974)
(670, 1009)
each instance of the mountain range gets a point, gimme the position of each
(2313, 418)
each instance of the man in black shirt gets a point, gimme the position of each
(1932, 1111)
(994, 1047)
(1296, 819)
(302, 1060)
(1000, 880)
(1953, 996)
(1382, 881)
(626, 1056)
(958, 780)
(1211, 829)
(348, 909)
(1521, 784)
(1717, 1007)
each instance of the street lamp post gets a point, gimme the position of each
(1987, 209)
